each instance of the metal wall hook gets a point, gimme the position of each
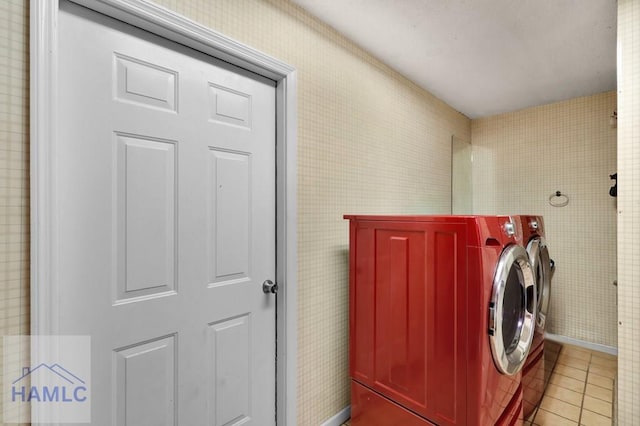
(558, 199)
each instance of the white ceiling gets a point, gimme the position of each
(486, 57)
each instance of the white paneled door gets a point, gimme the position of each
(166, 203)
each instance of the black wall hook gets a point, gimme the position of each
(613, 191)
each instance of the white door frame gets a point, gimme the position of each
(43, 114)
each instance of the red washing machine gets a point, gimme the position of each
(533, 238)
(441, 320)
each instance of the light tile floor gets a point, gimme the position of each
(580, 391)
(580, 388)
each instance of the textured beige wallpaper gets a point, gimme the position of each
(14, 170)
(523, 157)
(370, 141)
(629, 212)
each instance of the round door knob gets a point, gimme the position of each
(269, 287)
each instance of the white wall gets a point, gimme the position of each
(629, 212)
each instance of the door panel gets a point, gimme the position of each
(145, 173)
(400, 323)
(145, 83)
(229, 348)
(407, 293)
(144, 373)
(165, 184)
(229, 106)
(229, 190)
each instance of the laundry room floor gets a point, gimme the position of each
(580, 390)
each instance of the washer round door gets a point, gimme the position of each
(512, 310)
(541, 264)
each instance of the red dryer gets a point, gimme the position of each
(441, 320)
(533, 237)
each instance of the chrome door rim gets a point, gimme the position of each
(511, 363)
(538, 253)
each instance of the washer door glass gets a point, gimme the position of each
(512, 310)
(541, 263)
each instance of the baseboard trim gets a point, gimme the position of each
(341, 417)
(577, 342)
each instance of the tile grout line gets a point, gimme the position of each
(612, 402)
(584, 390)
(553, 370)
